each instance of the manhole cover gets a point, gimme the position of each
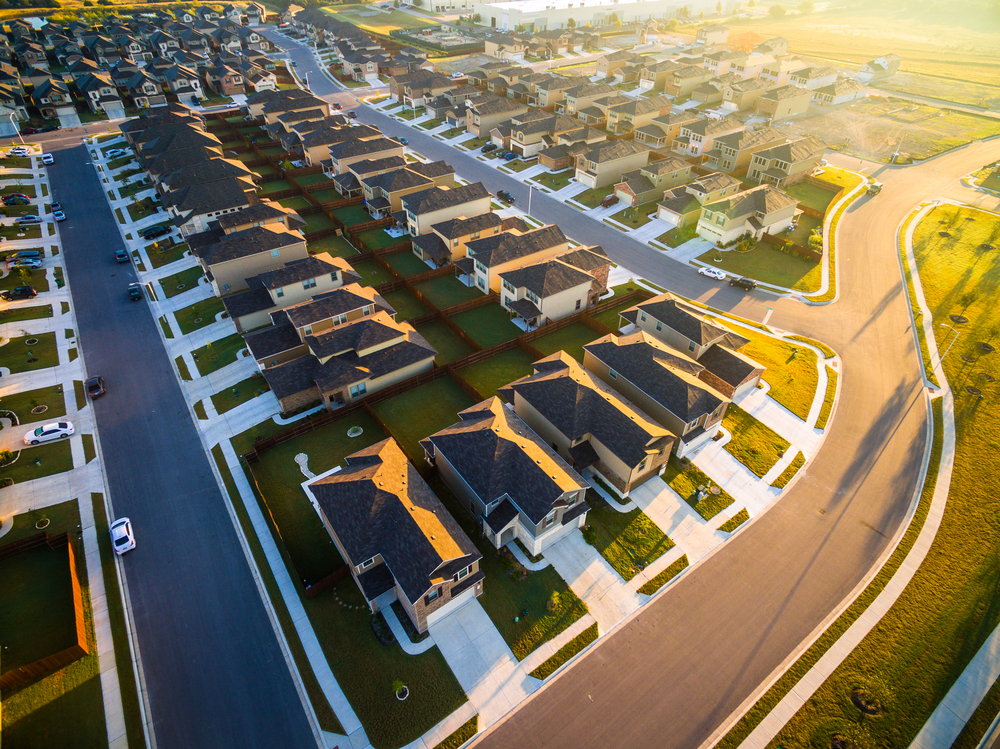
(972, 390)
(968, 359)
(958, 319)
(31, 342)
(39, 409)
(985, 347)
(32, 360)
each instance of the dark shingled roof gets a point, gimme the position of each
(437, 198)
(297, 270)
(268, 342)
(496, 454)
(219, 195)
(331, 303)
(502, 516)
(731, 367)
(497, 249)
(461, 227)
(578, 404)
(356, 336)
(666, 377)
(546, 278)
(370, 166)
(263, 211)
(254, 299)
(379, 505)
(432, 245)
(432, 169)
(400, 179)
(586, 258)
(248, 242)
(351, 148)
(686, 321)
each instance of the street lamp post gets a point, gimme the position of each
(944, 325)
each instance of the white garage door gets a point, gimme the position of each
(452, 606)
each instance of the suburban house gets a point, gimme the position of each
(711, 35)
(433, 206)
(653, 76)
(752, 65)
(839, 92)
(488, 257)
(779, 103)
(630, 115)
(548, 94)
(445, 242)
(580, 97)
(648, 183)
(778, 47)
(661, 131)
(256, 102)
(343, 154)
(710, 92)
(349, 183)
(879, 68)
(193, 208)
(557, 287)
(384, 192)
(417, 88)
(682, 82)
(274, 108)
(590, 425)
(607, 65)
(697, 138)
(596, 115)
(786, 164)
(504, 47)
(741, 96)
(814, 77)
(732, 152)
(486, 112)
(720, 61)
(508, 478)
(757, 211)
(681, 206)
(563, 156)
(535, 130)
(293, 283)
(396, 537)
(606, 163)
(342, 363)
(778, 71)
(52, 98)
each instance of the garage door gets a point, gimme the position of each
(452, 606)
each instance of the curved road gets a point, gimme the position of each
(671, 675)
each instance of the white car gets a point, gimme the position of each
(718, 275)
(18, 151)
(115, 153)
(57, 430)
(122, 537)
(48, 159)
(59, 215)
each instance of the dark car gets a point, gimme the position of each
(338, 106)
(49, 129)
(95, 387)
(505, 196)
(153, 232)
(19, 292)
(509, 156)
(404, 141)
(353, 115)
(134, 292)
(15, 200)
(488, 147)
(747, 284)
(608, 201)
(121, 256)
(30, 131)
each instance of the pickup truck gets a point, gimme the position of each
(874, 188)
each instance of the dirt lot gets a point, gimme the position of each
(874, 128)
(972, 94)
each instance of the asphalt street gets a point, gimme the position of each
(213, 669)
(674, 673)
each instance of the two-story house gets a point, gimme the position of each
(753, 212)
(742, 96)
(681, 206)
(662, 130)
(787, 163)
(786, 101)
(628, 116)
(505, 47)
(698, 138)
(510, 480)
(486, 112)
(814, 77)
(224, 80)
(52, 98)
(488, 257)
(682, 82)
(732, 152)
(654, 75)
(429, 207)
(445, 242)
(345, 153)
(879, 68)
(839, 92)
(648, 183)
(384, 192)
(607, 162)
(712, 35)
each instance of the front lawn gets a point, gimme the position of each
(449, 346)
(685, 478)
(239, 393)
(20, 314)
(636, 217)
(217, 354)
(406, 263)
(592, 197)
(422, 411)
(25, 277)
(488, 325)
(406, 305)
(199, 314)
(411, 114)
(677, 237)
(753, 444)
(473, 144)
(629, 541)
(160, 255)
(22, 403)
(792, 371)
(570, 339)
(769, 265)
(554, 180)
(431, 124)
(447, 291)
(21, 356)
(831, 394)
(178, 283)
(53, 458)
(452, 132)
(493, 373)
(372, 274)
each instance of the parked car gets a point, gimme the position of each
(488, 147)
(48, 159)
(718, 275)
(49, 129)
(152, 232)
(500, 153)
(121, 255)
(25, 262)
(505, 196)
(22, 254)
(57, 430)
(17, 195)
(115, 153)
(122, 536)
(747, 284)
(95, 386)
(608, 201)
(134, 292)
(510, 156)
(57, 206)
(338, 106)
(404, 141)
(18, 292)
(874, 188)
(19, 151)
(9, 200)
(30, 131)
(29, 219)
(58, 215)
(352, 115)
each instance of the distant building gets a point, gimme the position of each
(541, 15)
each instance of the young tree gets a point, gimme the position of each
(718, 7)
(777, 11)
(806, 7)
(478, 18)
(570, 23)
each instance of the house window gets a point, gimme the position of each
(720, 219)
(367, 310)
(549, 519)
(659, 325)
(275, 253)
(357, 390)
(613, 374)
(642, 316)
(333, 277)
(279, 293)
(480, 283)
(433, 595)
(309, 329)
(366, 564)
(691, 346)
(462, 573)
(577, 304)
(309, 283)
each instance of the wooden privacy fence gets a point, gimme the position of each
(78, 648)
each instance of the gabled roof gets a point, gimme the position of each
(764, 199)
(248, 242)
(794, 151)
(498, 249)
(363, 147)
(300, 270)
(379, 505)
(462, 227)
(332, 303)
(617, 149)
(677, 316)
(546, 278)
(498, 456)
(436, 198)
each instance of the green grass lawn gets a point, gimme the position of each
(199, 314)
(335, 246)
(811, 196)
(25, 189)
(278, 476)
(142, 209)
(326, 195)
(65, 708)
(22, 403)
(554, 180)
(411, 114)
(612, 317)
(447, 291)
(828, 399)
(351, 215)
(452, 132)
(629, 541)
(295, 203)
(316, 222)
(378, 238)
(160, 256)
(406, 305)
(635, 217)
(505, 599)
(239, 393)
(841, 177)
(685, 478)
(677, 237)
(566, 652)
(311, 179)
(769, 265)
(793, 377)
(406, 263)
(217, 354)
(19, 314)
(269, 188)
(593, 196)
(754, 444)
(804, 228)
(372, 274)
(473, 144)
(570, 339)
(178, 283)
(422, 411)
(789, 473)
(25, 277)
(493, 373)
(488, 325)
(16, 353)
(449, 346)
(431, 124)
